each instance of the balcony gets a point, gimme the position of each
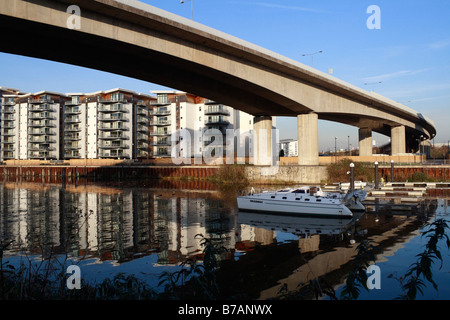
(8, 117)
(40, 115)
(106, 145)
(141, 137)
(160, 123)
(216, 120)
(142, 120)
(161, 102)
(39, 139)
(73, 102)
(72, 146)
(72, 154)
(41, 100)
(110, 117)
(8, 103)
(8, 110)
(72, 128)
(43, 131)
(113, 108)
(159, 133)
(47, 124)
(41, 155)
(160, 112)
(113, 126)
(8, 155)
(72, 119)
(217, 110)
(72, 137)
(113, 136)
(141, 128)
(7, 133)
(72, 110)
(113, 154)
(8, 125)
(142, 112)
(40, 108)
(113, 99)
(41, 148)
(166, 143)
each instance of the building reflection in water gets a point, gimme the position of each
(112, 224)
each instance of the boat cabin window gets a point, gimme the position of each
(306, 199)
(318, 200)
(284, 197)
(272, 197)
(297, 198)
(301, 191)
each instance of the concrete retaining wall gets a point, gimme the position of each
(288, 174)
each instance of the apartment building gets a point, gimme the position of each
(204, 122)
(30, 126)
(107, 124)
(53, 126)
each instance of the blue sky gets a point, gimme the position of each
(409, 55)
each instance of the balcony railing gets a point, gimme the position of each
(164, 112)
(114, 99)
(106, 154)
(217, 109)
(113, 108)
(41, 100)
(111, 136)
(160, 123)
(8, 110)
(103, 145)
(107, 117)
(40, 108)
(113, 126)
(41, 132)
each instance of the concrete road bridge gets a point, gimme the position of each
(133, 39)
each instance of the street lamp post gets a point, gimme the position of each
(352, 176)
(392, 170)
(376, 175)
(312, 56)
(192, 7)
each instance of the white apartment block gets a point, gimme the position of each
(201, 120)
(54, 126)
(289, 147)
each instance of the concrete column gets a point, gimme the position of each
(398, 140)
(308, 139)
(365, 141)
(262, 144)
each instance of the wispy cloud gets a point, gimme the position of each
(393, 75)
(279, 6)
(439, 44)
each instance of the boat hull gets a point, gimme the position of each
(269, 206)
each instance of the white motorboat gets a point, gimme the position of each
(300, 201)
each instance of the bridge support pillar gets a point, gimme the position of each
(308, 139)
(262, 145)
(398, 140)
(365, 141)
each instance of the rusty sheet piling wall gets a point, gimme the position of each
(255, 174)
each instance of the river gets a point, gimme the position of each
(149, 228)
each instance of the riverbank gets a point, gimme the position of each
(283, 174)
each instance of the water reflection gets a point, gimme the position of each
(119, 225)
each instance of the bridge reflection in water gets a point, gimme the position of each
(116, 225)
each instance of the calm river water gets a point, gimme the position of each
(148, 228)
